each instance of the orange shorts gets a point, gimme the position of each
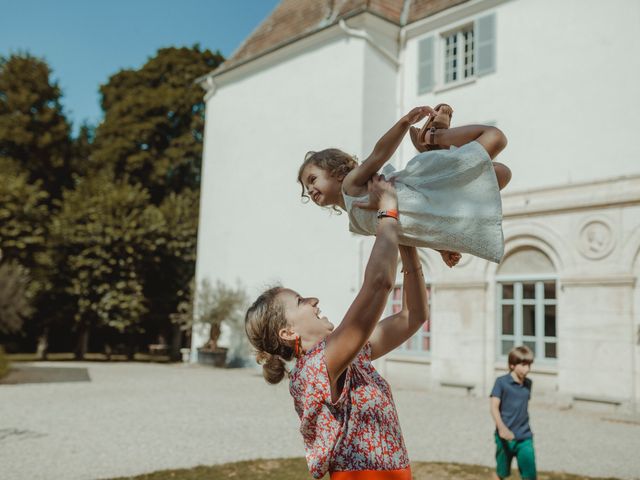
(402, 474)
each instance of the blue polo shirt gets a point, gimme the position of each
(514, 403)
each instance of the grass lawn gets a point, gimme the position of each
(296, 468)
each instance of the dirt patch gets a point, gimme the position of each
(19, 375)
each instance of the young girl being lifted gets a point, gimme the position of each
(448, 198)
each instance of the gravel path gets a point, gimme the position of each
(133, 418)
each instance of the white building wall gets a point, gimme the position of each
(260, 123)
(552, 88)
(564, 90)
(380, 86)
(635, 327)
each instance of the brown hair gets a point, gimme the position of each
(332, 160)
(518, 355)
(263, 321)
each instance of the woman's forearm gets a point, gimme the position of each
(382, 264)
(417, 301)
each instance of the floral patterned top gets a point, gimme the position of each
(360, 431)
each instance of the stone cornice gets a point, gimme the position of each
(613, 192)
(600, 280)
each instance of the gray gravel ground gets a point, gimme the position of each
(134, 418)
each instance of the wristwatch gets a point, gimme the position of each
(388, 213)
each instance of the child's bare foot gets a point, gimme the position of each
(451, 259)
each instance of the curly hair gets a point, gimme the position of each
(264, 319)
(332, 160)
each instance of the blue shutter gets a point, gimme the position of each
(486, 44)
(426, 65)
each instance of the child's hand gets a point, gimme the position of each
(506, 434)
(418, 113)
(382, 195)
(450, 258)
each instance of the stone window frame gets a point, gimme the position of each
(415, 345)
(458, 65)
(539, 340)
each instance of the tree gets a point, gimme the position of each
(209, 307)
(152, 135)
(218, 304)
(167, 280)
(34, 131)
(107, 232)
(27, 265)
(36, 156)
(154, 119)
(14, 300)
(24, 216)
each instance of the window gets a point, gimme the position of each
(459, 55)
(527, 316)
(421, 340)
(526, 293)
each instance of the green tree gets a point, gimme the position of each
(152, 135)
(14, 300)
(24, 214)
(154, 119)
(167, 280)
(34, 131)
(107, 233)
(218, 304)
(208, 307)
(36, 156)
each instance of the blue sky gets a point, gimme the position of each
(85, 42)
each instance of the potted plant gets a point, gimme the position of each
(213, 305)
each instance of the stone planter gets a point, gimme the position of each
(217, 358)
(185, 353)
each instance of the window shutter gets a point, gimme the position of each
(486, 44)
(426, 64)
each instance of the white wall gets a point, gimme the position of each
(259, 125)
(564, 92)
(565, 89)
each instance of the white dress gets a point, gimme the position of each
(447, 200)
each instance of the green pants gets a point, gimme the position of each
(524, 453)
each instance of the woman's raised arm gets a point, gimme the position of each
(396, 329)
(344, 343)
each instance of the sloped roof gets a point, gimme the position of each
(294, 19)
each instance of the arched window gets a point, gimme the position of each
(526, 294)
(420, 342)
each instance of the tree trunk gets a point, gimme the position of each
(83, 342)
(176, 343)
(131, 341)
(43, 345)
(214, 335)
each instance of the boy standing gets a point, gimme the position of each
(509, 409)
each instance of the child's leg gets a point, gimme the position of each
(526, 458)
(503, 174)
(504, 456)
(491, 138)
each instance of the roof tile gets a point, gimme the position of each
(294, 19)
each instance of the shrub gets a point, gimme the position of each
(4, 363)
